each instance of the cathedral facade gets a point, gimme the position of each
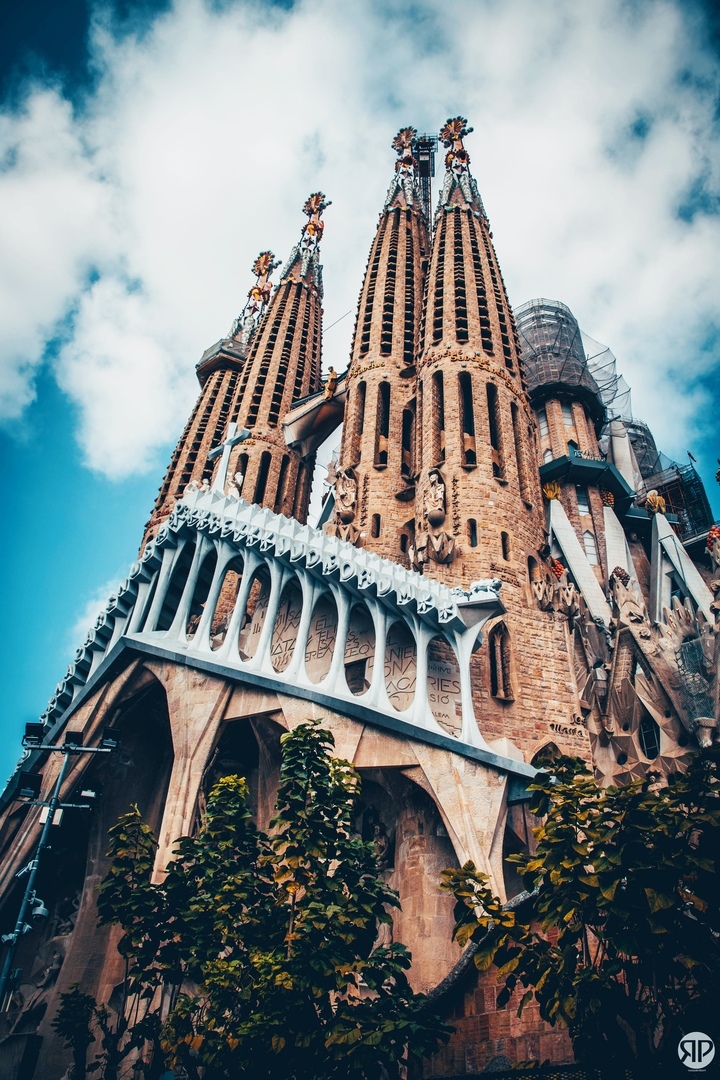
(504, 566)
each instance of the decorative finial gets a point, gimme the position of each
(246, 323)
(405, 167)
(308, 248)
(453, 132)
(457, 165)
(402, 143)
(552, 490)
(314, 207)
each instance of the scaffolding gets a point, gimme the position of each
(559, 357)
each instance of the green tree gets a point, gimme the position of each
(256, 956)
(620, 939)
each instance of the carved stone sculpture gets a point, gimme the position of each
(435, 499)
(345, 495)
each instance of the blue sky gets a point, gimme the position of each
(149, 151)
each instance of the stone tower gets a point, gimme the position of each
(283, 366)
(378, 447)
(479, 510)
(218, 372)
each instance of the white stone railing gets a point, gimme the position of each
(154, 607)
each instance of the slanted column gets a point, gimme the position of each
(279, 575)
(201, 642)
(296, 668)
(202, 548)
(229, 648)
(170, 557)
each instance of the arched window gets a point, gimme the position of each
(582, 499)
(590, 545)
(567, 414)
(403, 542)
(375, 526)
(505, 544)
(357, 423)
(467, 419)
(262, 477)
(547, 456)
(523, 481)
(543, 421)
(408, 433)
(500, 663)
(382, 427)
(472, 532)
(495, 430)
(437, 418)
(280, 494)
(649, 735)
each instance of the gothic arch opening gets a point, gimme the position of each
(501, 664)
(413, 849)
(68, 947)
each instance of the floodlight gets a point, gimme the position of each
(34, 734)
(110, 739)
(39, 911)
(29, 785)
(73, 738)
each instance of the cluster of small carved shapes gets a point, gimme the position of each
(454, 129)
(557, 568)
(608, 499)
(621, 575)
(713, 537)
(265, 264)
(551, 490)
(654, 502)
(316, 204)
(403, 140)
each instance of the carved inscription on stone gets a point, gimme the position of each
(359, 650)
(321, 639)
(400, 666)
(286, 627)
(444, 687)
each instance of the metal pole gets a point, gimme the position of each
(30, 887)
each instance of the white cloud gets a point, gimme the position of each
(205, 136)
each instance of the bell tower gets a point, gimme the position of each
(479, 507)
(379, 443)
(219, 372)
(283, 366)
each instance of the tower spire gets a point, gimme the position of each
(405, 180)
(304, 262)
(458, 177)
(379, 431)
(283, 366)
(249, 318)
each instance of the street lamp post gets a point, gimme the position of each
(29, 786)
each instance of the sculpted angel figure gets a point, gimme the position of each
(345, 494)
(435, 499)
